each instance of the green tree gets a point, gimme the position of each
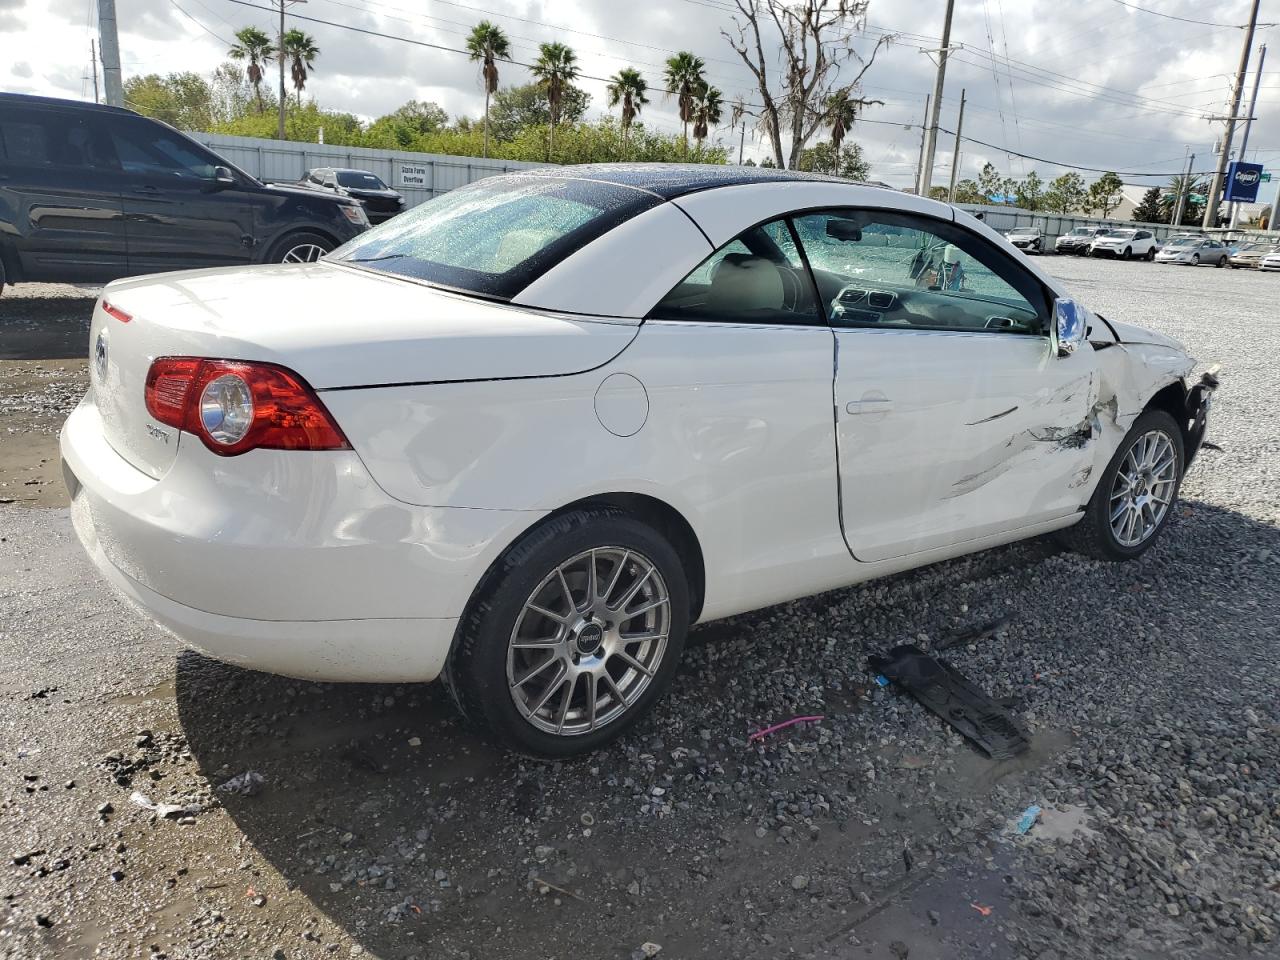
(939, 193)
(968, 191)
(301, 50)
(1029, 192)
(1104, 194)
(556, 68)
(408, 123)
(685, 76)
(488, 44)
(708, 111)
(628, 88)
(256, 47)
(515, 108)
(183, 100)
(990, 183)
(1194, 190)
(1150, 210)
(1066, 194)
(848, 162)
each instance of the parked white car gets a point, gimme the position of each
(524, 435)
(1125, 244)
(1193, 251)
(1270, 262)
(1027, 239)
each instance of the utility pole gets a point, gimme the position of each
(109, 44)
(742, 141)
(1183, 189)
(1248, 124)
(93, 65)
(1215, 189)
(280, 60)
(924, 130)
(931, 133)
(955, 152)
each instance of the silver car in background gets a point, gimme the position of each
(1250, 255)
(1193, 251)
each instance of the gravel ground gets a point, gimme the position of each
(387, 829)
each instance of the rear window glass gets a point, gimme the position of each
(52, 138)
(360, 181)
(498, 235)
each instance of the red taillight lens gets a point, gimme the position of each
(234, 407)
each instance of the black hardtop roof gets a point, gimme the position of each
(669, 180)
(31, 100)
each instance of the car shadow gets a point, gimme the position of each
(418, 836)
(48, 327)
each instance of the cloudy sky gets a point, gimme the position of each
(1090, 82)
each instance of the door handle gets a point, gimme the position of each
(870, 403)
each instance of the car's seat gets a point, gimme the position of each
(743, 282)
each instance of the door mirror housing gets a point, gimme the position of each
(222, 178)
(1071, 325)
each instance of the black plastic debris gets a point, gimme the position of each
(974, 634)
(946, 692)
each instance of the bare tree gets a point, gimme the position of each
(818, 63)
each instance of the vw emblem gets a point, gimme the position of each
(100, 355)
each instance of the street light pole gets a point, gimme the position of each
(280, 59)
(931, 132)
(1184, 188)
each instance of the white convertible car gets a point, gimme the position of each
(526, 434)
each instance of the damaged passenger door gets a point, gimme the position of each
(956, 417)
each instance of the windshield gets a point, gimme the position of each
(498, 235)
(359, 180)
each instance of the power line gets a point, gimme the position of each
(1075, 166)
(198, 23)
(1170, 16)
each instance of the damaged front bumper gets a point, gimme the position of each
(1199, 399)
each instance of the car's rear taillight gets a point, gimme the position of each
(234, 406)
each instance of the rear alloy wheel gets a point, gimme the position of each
(1128, 253)
(300, 248)
(1136, 494)
(576, 635)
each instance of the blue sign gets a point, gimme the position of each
(1242, 182)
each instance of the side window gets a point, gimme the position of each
(758, 278)
(53, 138)
(151, 149)
(886, 269)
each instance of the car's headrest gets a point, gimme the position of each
(743, 281)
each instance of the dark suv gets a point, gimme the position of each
(90, 193)
(380, 202)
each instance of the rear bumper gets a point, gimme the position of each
(291, 562)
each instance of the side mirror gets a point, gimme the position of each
(222, 178)
(1071, 325)
(844, 230)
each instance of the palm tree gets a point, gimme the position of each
(555, 68)
(708, 110)
(256, 47)
(488, 44)
(842, 111)
(302, 51)
(684, 78)
(628, 88)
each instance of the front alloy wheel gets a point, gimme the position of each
(1135, 496)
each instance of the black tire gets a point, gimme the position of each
(1128, 254)
(476, 673)
(1093, 535)
(1222, 262)
(300, 240)
(1151, 254)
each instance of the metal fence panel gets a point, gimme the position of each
(427, 174)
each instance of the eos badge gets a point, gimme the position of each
(100, 355)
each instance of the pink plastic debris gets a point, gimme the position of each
(761, 734)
